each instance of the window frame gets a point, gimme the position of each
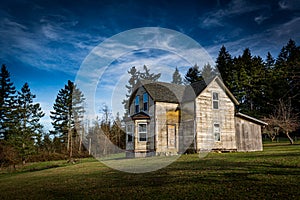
(217, 101)
(129, 132)
(215, 132)
(145, 103)
(142, 132)
(137, 104)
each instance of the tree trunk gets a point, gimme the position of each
(23, 157)
(90, 145)
(272, 138)
(80, 141)
(289, 137)
(71, 148)
(68, 141)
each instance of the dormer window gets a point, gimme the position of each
(215, 100)
(137, 104)
(145, 101)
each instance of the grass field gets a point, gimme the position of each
(271, 174)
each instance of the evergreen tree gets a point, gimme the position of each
(226, 68)
(208, 72)
(7, 103)
(287, 75)
(27, 128)
(268, 90)
(146, 75)
(67, 115)
(134, 76)
(249, 84)
(236, 86)
(257, 96)
(270, 61)
(177, 77)
(193, 75)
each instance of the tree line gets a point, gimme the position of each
(23, 139)
(267, 89)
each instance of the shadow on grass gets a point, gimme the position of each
(272, 174)
(207, 178)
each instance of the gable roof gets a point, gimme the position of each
(173, 93)
(199, 87)
(160, 91)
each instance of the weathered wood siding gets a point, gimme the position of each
(206, 116)
(167, 123)
(187, 126)
(248, 135)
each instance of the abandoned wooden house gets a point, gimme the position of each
(167, 119)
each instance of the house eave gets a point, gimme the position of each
(241, 115)
(140, 115)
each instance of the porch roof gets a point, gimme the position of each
(140, 115)
(247, 117)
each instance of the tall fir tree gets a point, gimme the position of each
(208, 72)
(193, 75)
(28, 128)
(146, 75)
(287, 71)
(225, 68)
(67, 115)
(267, 100)
(134, 76)
(7, 103)
(270, 61)
(176, 78)
(249, 83)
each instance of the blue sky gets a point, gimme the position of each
(44, 43)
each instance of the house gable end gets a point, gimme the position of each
(222, 86)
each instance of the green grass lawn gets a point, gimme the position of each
(271, 174)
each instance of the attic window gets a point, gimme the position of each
(137, 104)
(145, 101)
(215, 100)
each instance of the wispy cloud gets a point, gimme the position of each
(289, 4)
(270, 40)
(218, 17)
(159, 49)
(52, 43)
(111, 88)
(259, 19)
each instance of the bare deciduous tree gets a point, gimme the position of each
(284, 118)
